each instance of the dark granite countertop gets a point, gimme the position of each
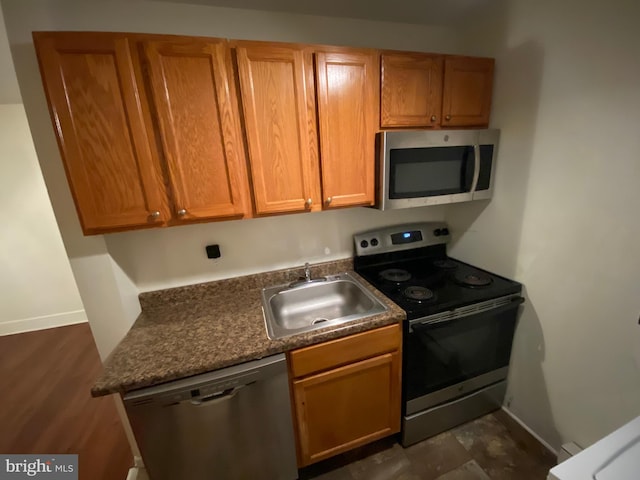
(194, 329)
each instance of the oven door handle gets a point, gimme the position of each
(417, 325)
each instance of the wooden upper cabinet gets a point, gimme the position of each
(468, 85)
(95, 105)
(199, 123)
(411, 90)
(151, 133)
(279, 107)
(348, 97)
(426, 90)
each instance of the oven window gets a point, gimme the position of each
(447, 353)
(420, 172)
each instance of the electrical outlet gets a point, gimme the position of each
(213, 251)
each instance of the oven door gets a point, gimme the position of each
(454, 353)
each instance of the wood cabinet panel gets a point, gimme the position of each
(94, 102)
(279, 106)
(411, 90)
(200, 131)
(468, 86)
(348, 96)
(309, 129)
(347, 407)
(341, 351)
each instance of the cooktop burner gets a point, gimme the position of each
(396, 275)
(418, 294)
(445, 264)
(474, 279)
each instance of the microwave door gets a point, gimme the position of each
(430, 175)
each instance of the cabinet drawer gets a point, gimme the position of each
(342, 351)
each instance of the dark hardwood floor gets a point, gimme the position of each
(46, 406)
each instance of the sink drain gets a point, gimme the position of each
(319, 320)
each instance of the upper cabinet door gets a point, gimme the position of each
(468, 85)
(95, 106)
(279, 106)
(348, 98)
(201, 135)
(411, 90)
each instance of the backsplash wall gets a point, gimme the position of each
(157, 259)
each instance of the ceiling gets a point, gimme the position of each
(423, 12)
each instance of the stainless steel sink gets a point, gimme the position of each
(308, 306)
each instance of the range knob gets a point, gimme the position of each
(444, 231)
(374, 242)
(364, 244)
(437, 232)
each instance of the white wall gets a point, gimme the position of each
(112, 269)
(565, 217)
(176, 256)
(37, 289)
(9, 90)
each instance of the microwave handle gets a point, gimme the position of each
(476, 170)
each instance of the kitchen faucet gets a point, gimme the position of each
(307, 279)
(307, 272)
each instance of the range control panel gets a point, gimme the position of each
(401, 237)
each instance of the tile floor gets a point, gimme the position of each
(493, 447)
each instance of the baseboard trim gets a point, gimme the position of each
(528, 429)
(40, 323)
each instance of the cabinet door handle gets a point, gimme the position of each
(447, 118)
(182, 212)
(329, 199)
(433, 118)
(308, 203)
(155, 215)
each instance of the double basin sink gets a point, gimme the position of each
(304, 306)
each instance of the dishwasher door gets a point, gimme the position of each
(233, 423)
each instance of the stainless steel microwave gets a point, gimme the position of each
(431, 167)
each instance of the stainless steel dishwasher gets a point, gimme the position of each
(233, 423)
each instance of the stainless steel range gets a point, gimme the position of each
(459, 329)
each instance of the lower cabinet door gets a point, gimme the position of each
(344, 408)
